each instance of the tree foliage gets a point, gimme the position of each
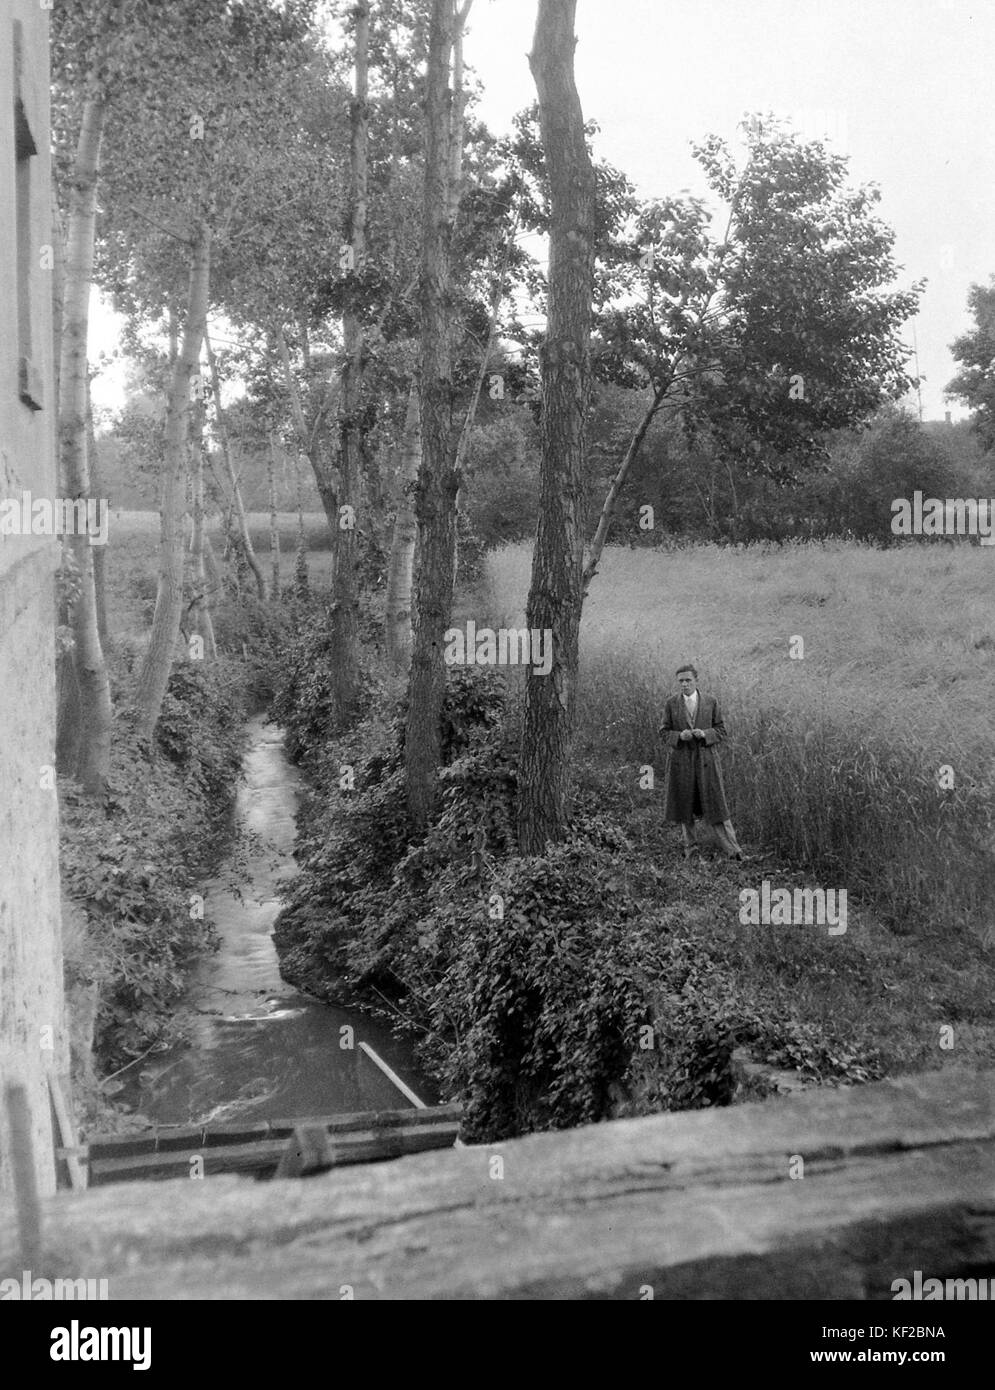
(975, 351)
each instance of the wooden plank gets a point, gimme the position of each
(121, 1144)
(392, 1076)
(215, 1136)
(364, 1146)
(898, 1176)
(186, 1137)
(67, 1144)
(373, 1119)
(176, 1163)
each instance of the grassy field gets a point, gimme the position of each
(834, 757)
(131, 561)
(832, 765)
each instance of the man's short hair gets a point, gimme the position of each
(687, 667)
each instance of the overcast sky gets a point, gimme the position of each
(903, 86)
(906, 84)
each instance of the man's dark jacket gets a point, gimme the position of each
(694, 773)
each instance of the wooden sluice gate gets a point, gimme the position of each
(274, 1148)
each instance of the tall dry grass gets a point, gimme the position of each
(833, 759)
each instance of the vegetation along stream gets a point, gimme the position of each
(256, 1047)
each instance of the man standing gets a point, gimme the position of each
(692, 727)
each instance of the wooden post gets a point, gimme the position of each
(25, 1179)
(309, 1150)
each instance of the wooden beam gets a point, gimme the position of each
(896, 1176)
(370, 1145)
(67, 1145)
(392, 1076)
(188, 1137)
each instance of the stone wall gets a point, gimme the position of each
(32, 1034)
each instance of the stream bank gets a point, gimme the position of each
(255, 1046)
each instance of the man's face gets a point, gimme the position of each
(686, 682)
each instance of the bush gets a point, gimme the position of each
(133, 860)
(255, 634)
(304, 702)
(199, 728)
(539, 986)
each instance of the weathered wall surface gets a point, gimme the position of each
(31, 1024)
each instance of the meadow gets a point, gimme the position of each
(839, 758)
(133, 537)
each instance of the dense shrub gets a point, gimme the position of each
(199, 728)
(132, 860)
(255, 634)
(540, 988)
(304, 702)
(354, 830)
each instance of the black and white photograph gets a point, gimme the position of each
(497, 669)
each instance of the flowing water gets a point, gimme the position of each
(257, 1048)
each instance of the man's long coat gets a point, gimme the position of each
(694, 773)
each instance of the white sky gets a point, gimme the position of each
(903, 86)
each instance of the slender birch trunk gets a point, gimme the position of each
(311, 442)
(301, 579)
(224, 438)
(154, 675)
(99, 551)
(402, 551)
(201, 621)
(345, 628)
(92, 759)
(618, 482)
(274, 523)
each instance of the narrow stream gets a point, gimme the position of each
(257, 1048)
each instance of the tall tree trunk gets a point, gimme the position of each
(352, 427)
(212, 571)
(311, 442)
(438, 483)
(302, 584)
(402, 550)
(154, 675)
(274, 522)
(99, 551)
(457, 111)
(66, 689)
(224, 438)
(555, 595)
(94, 711)
(201, 621)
